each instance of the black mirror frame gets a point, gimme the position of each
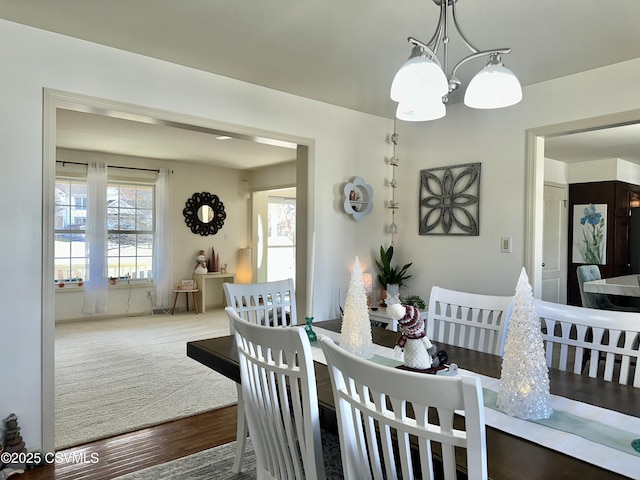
(196, 225)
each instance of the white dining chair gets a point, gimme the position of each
(280, 400)
(387, 423)
(606, 340)
(469, 320)
(266, 303)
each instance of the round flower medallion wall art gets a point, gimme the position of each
(358, 198)
(204, 214)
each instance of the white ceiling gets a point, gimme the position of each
(340, 52)
(98, 133)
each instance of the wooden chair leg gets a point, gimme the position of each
(187, 298)
(241, 433)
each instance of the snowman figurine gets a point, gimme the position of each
(201, 263)
(419, 352)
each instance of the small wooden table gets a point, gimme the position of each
(178, 291)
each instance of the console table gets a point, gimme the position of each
(203, 278)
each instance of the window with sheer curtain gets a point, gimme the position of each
(130, 229)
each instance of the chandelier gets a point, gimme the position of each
(422, 85)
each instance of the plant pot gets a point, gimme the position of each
(61, 285)
(112, 281)
(393, 294)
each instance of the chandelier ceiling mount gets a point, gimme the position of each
(423, 83)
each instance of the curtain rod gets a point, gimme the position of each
(109, 166)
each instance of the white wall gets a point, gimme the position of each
(592, 171)
(345, 144)
(555, 171)
(497, 139)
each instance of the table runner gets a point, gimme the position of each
(591, 434)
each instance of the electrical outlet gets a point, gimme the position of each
(149, 294)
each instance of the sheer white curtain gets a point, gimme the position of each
(96, 287)
(163, 244)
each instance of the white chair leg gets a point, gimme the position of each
(241, 433)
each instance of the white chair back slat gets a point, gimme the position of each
(474, 321)
(280, 399)
(607, 340)
(372, 398)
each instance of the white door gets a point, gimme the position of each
(554, 244)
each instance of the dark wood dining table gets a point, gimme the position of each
(508, 456)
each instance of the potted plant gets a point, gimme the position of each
(415, 301)
(112, 280)
(391, 275)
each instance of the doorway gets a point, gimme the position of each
(535, 178)
(274, 228)
(554, 244)
(281, 237)
(58, 100)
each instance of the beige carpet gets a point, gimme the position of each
(118, 375)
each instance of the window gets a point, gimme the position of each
(281, 235)
(130, 226)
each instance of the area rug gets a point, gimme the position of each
(216, 463)
(119, 375)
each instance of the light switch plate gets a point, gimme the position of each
(505, 245)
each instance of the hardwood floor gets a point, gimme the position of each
(143, 448)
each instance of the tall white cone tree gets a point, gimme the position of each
(524, 383)
(355, 335)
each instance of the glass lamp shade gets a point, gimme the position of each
(421, 110)
(495, 86)
(417, 76)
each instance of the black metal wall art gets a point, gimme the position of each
(204, 214)
(449, 200)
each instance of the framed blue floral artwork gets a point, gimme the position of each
(590, 234)
(449, 200)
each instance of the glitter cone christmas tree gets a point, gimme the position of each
(355, 335)
(524, 383)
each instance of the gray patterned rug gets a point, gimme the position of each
(118, 375)
(216, 463)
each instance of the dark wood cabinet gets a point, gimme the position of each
(617, 196)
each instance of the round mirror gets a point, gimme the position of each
(204, 214)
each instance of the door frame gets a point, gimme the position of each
(534, 180)
(57, 99)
